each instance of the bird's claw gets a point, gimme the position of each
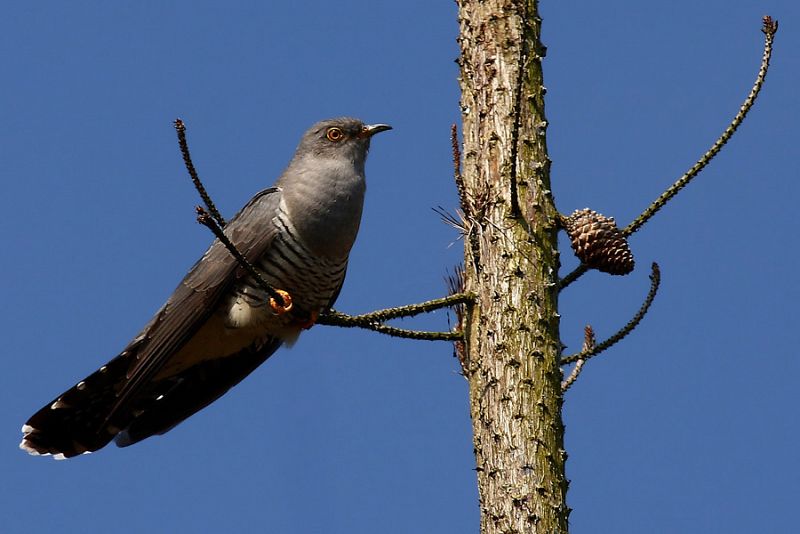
(287, 302)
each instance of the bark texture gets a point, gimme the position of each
(511, 265)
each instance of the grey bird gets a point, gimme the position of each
(219, 324)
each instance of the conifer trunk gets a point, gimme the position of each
(511, 265)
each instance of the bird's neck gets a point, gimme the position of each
(324, 201)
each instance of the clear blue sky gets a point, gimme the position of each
(689, 426)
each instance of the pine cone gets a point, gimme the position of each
(598, 242)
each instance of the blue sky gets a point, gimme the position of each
(690, 425)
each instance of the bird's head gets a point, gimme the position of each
(340, 138)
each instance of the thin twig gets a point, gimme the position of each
(574, 275)
(410, 310)
(589, 342)
(335, 318)
(655, 280)
(180, 127)
(205, 219)
(374, 320)
(769, 28)
(573, 376)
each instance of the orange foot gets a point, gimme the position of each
(287, 302)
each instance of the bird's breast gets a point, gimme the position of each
(289, 264)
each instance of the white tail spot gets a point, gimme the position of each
(27, 448)
(59, 404)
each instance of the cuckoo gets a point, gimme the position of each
(220, 324)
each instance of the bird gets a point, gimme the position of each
(220, 324)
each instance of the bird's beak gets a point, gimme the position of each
(371, 129)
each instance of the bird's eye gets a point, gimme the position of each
(334, 134)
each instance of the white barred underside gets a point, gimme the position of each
(311, 280)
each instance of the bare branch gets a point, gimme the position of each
(374, 320)
(655, 280)
(769, 28)
(334, 318)
(411, 310)
(180, 127)
(574, 275)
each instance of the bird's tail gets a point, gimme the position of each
(86, 417)
(76, 422)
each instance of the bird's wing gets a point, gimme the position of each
(200, 292)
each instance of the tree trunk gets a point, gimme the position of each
(511, 265)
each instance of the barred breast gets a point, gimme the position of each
(311, 280)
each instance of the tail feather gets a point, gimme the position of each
(77, 422)
(187, 393)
